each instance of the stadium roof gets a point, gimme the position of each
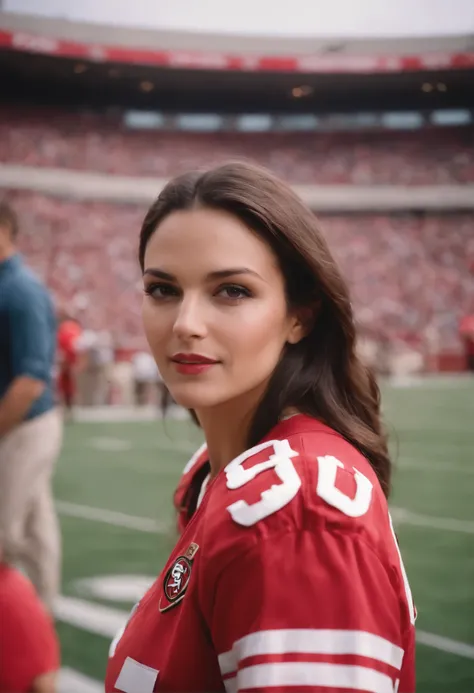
(287, 26)
(44, 79)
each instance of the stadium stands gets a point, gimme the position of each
(411, 275)
(103, 144)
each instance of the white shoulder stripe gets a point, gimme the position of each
(194, 459)
(312, 641)
(203, 490)
(351, 678)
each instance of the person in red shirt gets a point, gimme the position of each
(466, 331)
(68, 333)
(287, 574)
(29, 649)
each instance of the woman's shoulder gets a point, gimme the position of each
(317, 445)
(304, 475)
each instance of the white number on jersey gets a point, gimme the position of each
(327, 490)
(277, 496)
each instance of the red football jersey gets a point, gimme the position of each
(287, 577)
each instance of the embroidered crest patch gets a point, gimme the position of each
(177, 578)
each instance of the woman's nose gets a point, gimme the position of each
(190, 319)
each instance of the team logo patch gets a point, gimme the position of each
(177, 578)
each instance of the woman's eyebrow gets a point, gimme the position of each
(217, 274)
(159, 274)
(222, 274)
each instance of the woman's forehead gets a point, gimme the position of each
(211, 240)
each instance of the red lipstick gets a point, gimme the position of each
(192, 364)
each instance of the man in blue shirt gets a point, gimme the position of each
(30, 423)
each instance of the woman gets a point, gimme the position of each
(288, 573)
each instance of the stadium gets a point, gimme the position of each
(376, 134)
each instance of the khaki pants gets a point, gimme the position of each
(29, 530)
(92, 386)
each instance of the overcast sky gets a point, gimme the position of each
(319, 18)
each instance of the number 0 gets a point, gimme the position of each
(327, 490)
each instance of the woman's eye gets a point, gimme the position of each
(234, 292)
(161, 290)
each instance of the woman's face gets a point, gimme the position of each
(214, 309)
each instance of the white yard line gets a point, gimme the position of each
(127, 414)
(445, 644)
(432, 466)
(145, 524)
(71, 681)
(109, 444)
(107, 621)
(113, 444)
(111, 517)
(90, 616)
(448, 524)
(430, 381)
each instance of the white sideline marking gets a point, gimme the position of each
(411, 463)
(109, 444)
(71, 681)
(449, 524)
(119, 413)
(90, 616)
(107, 621)
(118, 588)
(105, 444)
(429, 381)
(145, 524)
(445, 644)
(111, 517)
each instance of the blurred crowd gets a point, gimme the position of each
(412, 275)
(90, 142)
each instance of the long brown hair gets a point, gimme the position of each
(322, 375)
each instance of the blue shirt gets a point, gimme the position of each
(27, 331)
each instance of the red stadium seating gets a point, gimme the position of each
(411, 275)
(436, 156)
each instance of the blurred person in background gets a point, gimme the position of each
(30, 423)
(69, 332)
(384, 354)
(293, 510)
(145, 378)
(466, 331)
(96, 356)
(29, 648)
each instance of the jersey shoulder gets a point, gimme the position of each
(303, 477)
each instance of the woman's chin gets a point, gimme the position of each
(194, 397)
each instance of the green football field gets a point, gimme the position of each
(114, 487)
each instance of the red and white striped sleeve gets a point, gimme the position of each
(312, 611)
